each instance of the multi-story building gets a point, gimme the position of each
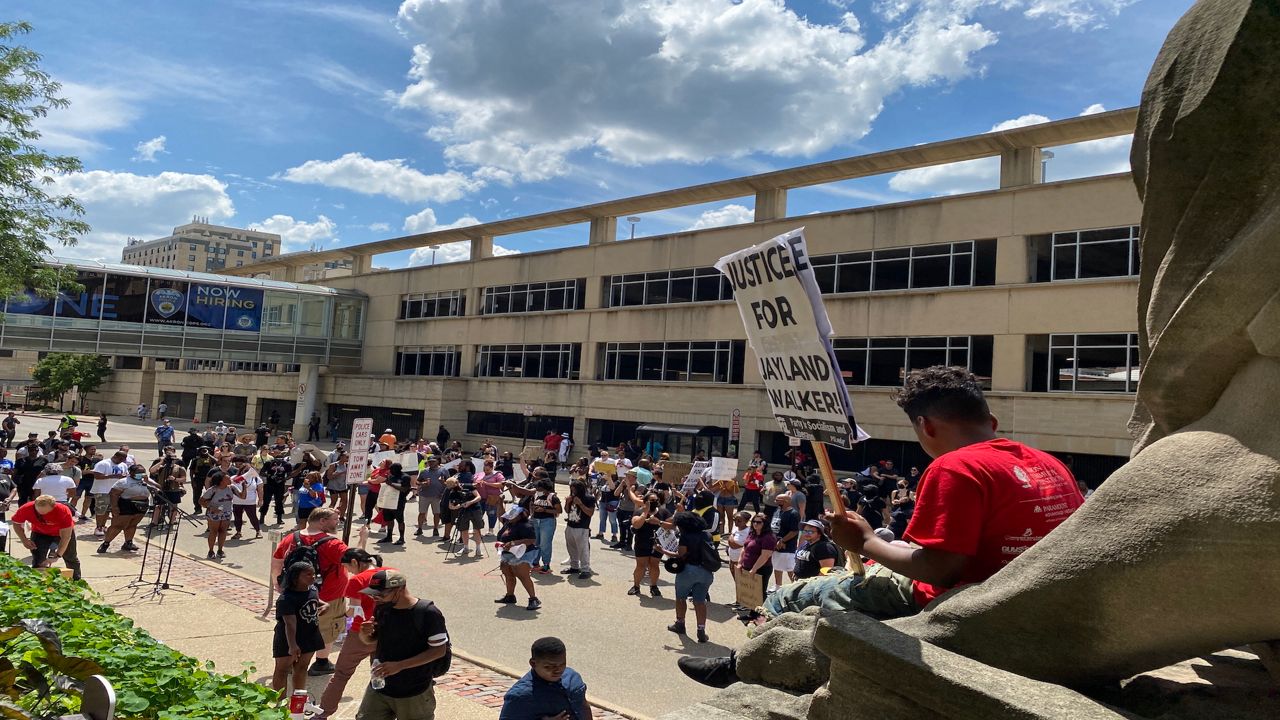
(1031, 285)
(201, 247)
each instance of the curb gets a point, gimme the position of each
(473, 659)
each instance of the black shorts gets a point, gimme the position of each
(390, 514)
(305, 512)
(648, 549)
(308, 637)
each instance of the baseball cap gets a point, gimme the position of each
(796, 482)
(513, 512)
(384, 580)
(817, 524)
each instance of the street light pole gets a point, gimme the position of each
(633, 220)
(1045, 157)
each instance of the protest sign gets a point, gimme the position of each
(604, 468)
(749, 589)
(723, 468)
(790, 334)
(675, 472)
(358, 457)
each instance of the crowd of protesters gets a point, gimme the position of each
(770, 522)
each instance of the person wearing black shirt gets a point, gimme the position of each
(814, 492)
(872, 506)
(464, 506)
(786, 526)
(261, 435)
(412, 648)
(275, 483)
(651, 514)
(517, 539)
(577, 532)
(816, 550)
(545, 508)
(191, 444)
(394, 517)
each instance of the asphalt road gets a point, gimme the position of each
(619, 643)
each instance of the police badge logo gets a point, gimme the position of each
(166, 301)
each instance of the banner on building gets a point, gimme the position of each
(224, 307)
(790, 334)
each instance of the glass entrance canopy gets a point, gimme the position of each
(155, 312)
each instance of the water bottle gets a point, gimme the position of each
(377, 682)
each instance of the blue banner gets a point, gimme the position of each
(224, 308)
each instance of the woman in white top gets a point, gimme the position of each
(250, 482)
(738, 538)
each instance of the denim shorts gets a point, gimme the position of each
(726, 501)
(694, 583)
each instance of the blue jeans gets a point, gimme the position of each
(609, 518)
(881, 593)
(491, 513)
(546, 530)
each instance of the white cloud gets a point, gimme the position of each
(120, 204)
(513, 89)
(1095, 157)
(297, 235)
(94, 110)
(148, 149)
(452, 252)
(393, 178)
(728, 215)
(379, 227)
(1076, 14)
(425, 222)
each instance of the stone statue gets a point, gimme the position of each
(1177, 555)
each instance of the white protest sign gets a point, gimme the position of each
(723, 468)
(790, 334)
(358, 457)
(388, 498)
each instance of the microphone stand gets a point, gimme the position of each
(167, 549)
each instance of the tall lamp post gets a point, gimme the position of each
(1045, 157)
(434, 248)
(633, 220)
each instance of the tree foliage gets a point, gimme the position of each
(32, 214)
(57, 373)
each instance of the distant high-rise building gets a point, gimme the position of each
(203, 247)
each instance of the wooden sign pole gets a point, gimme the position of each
(852, 562)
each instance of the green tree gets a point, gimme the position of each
(32, 214)
(57, 373)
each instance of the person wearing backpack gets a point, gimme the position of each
(316, 544)
(412, 649)
(693, 582)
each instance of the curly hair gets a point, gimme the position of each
(950, 393)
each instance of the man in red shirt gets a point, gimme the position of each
(318, 533)
(981, 503)
(551, 442)
(52, 532)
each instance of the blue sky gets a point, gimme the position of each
(346, 122)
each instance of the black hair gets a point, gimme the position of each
(688, 523)
(396, 469)
(949, 393)
(704, 499)
(546, 648)
(293, 571)
(359, 555)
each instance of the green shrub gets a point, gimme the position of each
(151, 680)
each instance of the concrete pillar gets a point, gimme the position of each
(1013, 261)
(1009, 363)
(603, 230)
(308, 388)
(361, 264)
(588, 360)
(293, 273)
(481, 247)
(1020, 166)
(771, 204)
(595, 293)
(467, 361)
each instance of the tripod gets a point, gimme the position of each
(167, 549)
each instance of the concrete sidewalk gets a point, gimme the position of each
(208, 627)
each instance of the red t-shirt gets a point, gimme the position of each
(333, 576)
(991, 501)
(551, 442)
(355, 584)
(47, 524)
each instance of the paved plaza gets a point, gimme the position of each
(619, 643)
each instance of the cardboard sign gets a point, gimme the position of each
(675, 472)
(749, 589)
(532, 452)
(790, 334)
(358, 456)
(723, 468)
(606, 468)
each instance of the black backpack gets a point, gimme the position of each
(709, 556)
(302, 552)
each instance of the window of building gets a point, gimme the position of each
(193, 246)
(707, 361)
(959, 264)
(239, 263)
(886, 361)
(704, 284)
(128, 363)
(191, 258)
(1082, 254)
(253, 255)
(533, 297)
(1100, 362)
(240, 253)
(554, 361)
(514, 425)
(442, 361)
(445, 303)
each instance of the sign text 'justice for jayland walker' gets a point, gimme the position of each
(788, 329)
